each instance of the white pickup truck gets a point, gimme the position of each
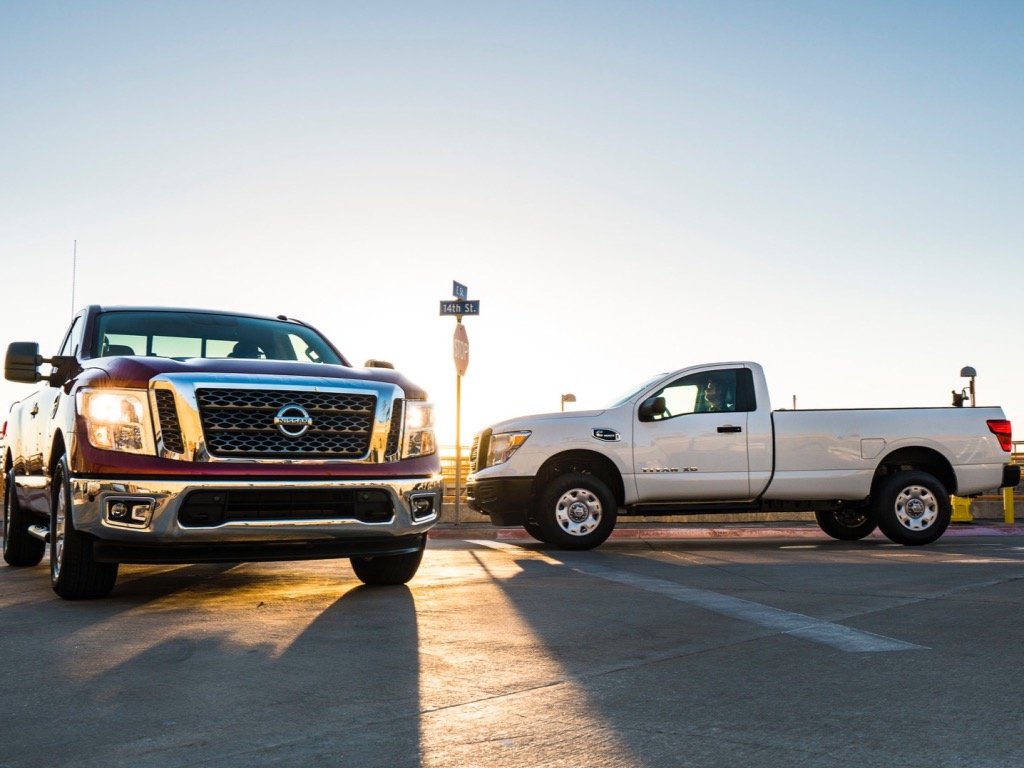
(704, 440)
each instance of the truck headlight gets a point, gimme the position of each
(503, 445)
(117, 419)
(419, 429)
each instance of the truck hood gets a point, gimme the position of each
(137, 371)
(544, 419)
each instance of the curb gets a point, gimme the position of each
(699, 531)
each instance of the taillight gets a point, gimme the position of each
(1001, 429)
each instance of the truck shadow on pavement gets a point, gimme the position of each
(218, 665)
(666, 681)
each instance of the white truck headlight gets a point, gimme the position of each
(117, 419)
(503, 445)
(419, 429)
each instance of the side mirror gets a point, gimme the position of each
(651, 408)
(22, 362)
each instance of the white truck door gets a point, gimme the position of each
(690, 438)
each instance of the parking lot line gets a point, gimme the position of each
(836, 636)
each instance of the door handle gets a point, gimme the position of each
(730, 429)
(35, 410)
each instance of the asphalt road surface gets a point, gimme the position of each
(771, 652)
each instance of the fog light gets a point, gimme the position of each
(134, 513)
(422, 507)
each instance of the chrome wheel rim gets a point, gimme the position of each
(578, 512)
(7, 514)
(57, 534)
(917, 508)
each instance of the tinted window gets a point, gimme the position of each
(73, 339)
(725, 391)
(183, 335)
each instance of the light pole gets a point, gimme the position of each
(969, 373)
(569, 397)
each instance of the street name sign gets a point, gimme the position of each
(460, 308)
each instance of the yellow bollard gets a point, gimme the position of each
(1008, 505)
(961, 510)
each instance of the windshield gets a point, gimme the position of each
(634, 391)
(184, 335)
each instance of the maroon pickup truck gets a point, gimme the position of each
(182, 436)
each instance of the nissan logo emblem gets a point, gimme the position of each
(293, 421)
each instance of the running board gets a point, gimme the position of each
(41, 532)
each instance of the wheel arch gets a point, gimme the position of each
(587, 462)
(916, 458)
(57, 450)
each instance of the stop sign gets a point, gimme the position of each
(460, 348)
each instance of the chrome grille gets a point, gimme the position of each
(481, 447)
(240, 423)
(170, 428)
(474, 453)
(395, 433)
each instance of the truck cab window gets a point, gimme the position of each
(724, 391)
(73, 339)
(194, 335)
(69, 346)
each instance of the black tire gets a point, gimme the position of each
(533, 528)
(576, 511)
(21, 549)
(912, 508)
(74, 572)
(387, 570)
(849, 524)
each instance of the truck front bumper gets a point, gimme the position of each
(506, 500)
(261, 551)
(182, 521)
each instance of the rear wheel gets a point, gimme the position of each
(849, 524)
(576, 511)
(74, 571)
(20, 547)
(912, 508)
(388, 570)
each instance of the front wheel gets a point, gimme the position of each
(848, 524)
(576, 511)
(74, 571)
(20, 547)
(388, 570)
(912, 508)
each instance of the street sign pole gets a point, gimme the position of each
(460, 352)
(458, 443)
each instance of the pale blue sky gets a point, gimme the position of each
(832, 189)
